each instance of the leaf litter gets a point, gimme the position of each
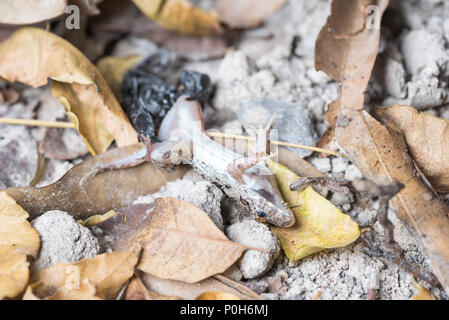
(277, 282)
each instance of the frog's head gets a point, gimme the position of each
(266, 201)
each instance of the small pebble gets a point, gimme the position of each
(322, 164)
(251, 233)
(62, 240)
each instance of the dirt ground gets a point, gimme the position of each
(412, 68)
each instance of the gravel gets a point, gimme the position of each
(251, 233)
(62, 240)
(291, 122)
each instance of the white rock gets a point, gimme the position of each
(352, 173)
(62, 240)
(340, 199)
(251, 233)
(339, 165)
(322, 164)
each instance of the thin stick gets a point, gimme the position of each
(280, 143)
(37, 123)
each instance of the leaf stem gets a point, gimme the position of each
(280, 143)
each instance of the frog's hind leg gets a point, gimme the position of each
(133, 160)
(259, 153)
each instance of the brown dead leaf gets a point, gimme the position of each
(427, 139)
(81, 88)
(96, 194)
(381, 155)
(247, 13)
(106, 273)
(137, 291)
(354, 50)
(379, 152)
(30, 11)
(180, 15)
(18, 240)
(189, 291)
(217, 295)
(86, 291)
(177, 235)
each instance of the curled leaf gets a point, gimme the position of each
(180, 15)
(427, 138)
(247, 13)
(98, 218)
(106, 273)
(177, 235)
(354, 38)
(81, 88)
(319, 224)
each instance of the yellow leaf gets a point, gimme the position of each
(319, 224)
(180, 15)
(107, 273)
(216, 295)
(98, 218)
(114, 69)
(18, 240)
(32, 55)
(423, 293)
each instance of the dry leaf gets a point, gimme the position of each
(180, 15)
(107, 273)
(319, 224)
(427, 138)
(81, 88)
(14, 276)
(217, 295)
(18, 240)
(30, 11)
(83, 194)
(114, 69)
(423, 293)
(98, 218)
(189, 291)
(381, 155)
(354, 42)
(86, 291)
(137, 291)
(247, 13)
(177, 235)
(379, 152)
(9, 207)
